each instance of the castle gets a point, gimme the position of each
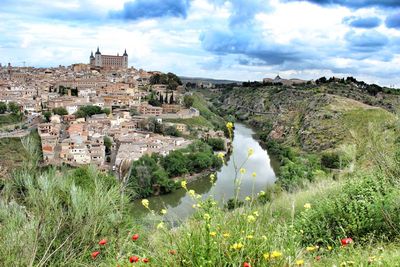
(100, 61)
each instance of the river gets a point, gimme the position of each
(179, 205)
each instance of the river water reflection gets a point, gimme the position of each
(179, 205)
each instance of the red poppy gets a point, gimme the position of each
(95, 254)
(172, 252)
(246, 264)
(145, 260)
(135, 237)
(102, 242)
(134, 259)
(346, 241)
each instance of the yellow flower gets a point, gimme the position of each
(192, 193)
(184, 184)
(226, 235)
(307, 206)
(195, 206)
(213, 234)
(229, 125)
(250, 152)
(262, 193)
(212, 178)
(251, 218)
(221, 155)
(266, 256)
(275, 254)
(242, 170)
(163, 211)
(145, 203)
(213, 203)
(237, 246)
(300, 262)
(160, 225)
(264, 237)
(249, 237)
(330, 248)
(247, 198)
(254, 174)
(255, 213)
(311, 249)
(206, 216)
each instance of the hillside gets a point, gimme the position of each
(311, 120)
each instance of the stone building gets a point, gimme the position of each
(108, 61)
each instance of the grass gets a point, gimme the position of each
(196, 122)
(8, 119)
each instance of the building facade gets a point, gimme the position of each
(107, 61)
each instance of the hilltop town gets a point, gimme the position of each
(103, 113)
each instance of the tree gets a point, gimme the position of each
(107, 111)
(171, 99)
(188, 101)
(60, 111)
(161, 99)
(3, 107)
(217, 144)
(175, 163)
(47, 115)
(172, 131)
(107, 144)
(13, 107)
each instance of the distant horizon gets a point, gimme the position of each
(242, 40)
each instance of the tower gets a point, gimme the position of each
(125, 60)
(92, 59)
(98, 61)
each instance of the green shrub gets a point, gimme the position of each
(365, 207)
(217, 144)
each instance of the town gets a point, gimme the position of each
(103, 113)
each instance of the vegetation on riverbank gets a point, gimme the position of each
(154, 174)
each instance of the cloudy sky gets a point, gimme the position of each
(230, 39)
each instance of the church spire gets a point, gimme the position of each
(125, 54)
(98, 51)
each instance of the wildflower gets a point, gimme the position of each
(247, 198)
(184, 184)
(242, 170)
(163, 211)
(192, 193)
(275, 254)
(254, 175)
(206, 216)
(330, 248)
(250, 152)
(237, 246)
(160, 225)
(262, 193)
(135, 237)
(229, 125)
(300, 262)
(255, 213)
(264, 237)
(194, 206)
(145, 260)
(102, 242)
(213, 203)
(246, 264)
(172, 251)
(251, 218)
(213, 234)
(212, 178)
(266, 256)
(307, 206)
(311, 249)
(249, 237)
(221, 155)
(346, 241)
(133, 259)
(145, 203)
(95, 254)
(226, 235)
